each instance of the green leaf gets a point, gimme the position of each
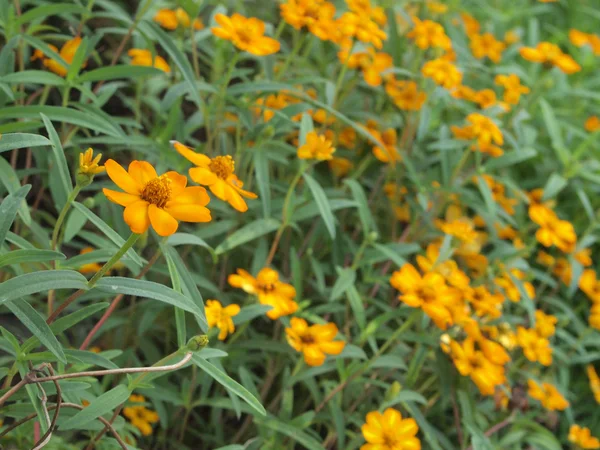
(189, 239)
(306, 126)
(149, 289)
(117, 72)
(247, 313)
(229, 383)
(405, 396)
(247, 233)
(261, 168)
(9, 208)
(554, 131)
(364, 213)
(78, 60)
(34, 76)
(108, 231)
(391, 254)
(42, 12)
(104, 404)
(553, 186)
(294, 433)
(356, 303)
(176, 55)
(65, 186)
(21, 140)
(9, 178)
(45, 49)
(510, 159)
(322, 203)
(346, 278)
(487, 196)
(34, 255)
(37, 325)
(34, 282)
(88, 120)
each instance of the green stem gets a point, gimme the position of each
(460, 165)
(341, 76)
(112, 261)
(63, 215)
(291, 56)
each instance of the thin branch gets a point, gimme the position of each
(498, 426)
(92, 444)
(13, 390)
(48, 434)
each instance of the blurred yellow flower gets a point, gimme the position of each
(143, 57)
(340, 166)
(579, 39)
(552, 231)
(220, 317)
(160, 201)
(362, 27)
(429, 34)
(218, 174)
(389, 152)
(405, 94)
(389, 431)
(172, 19)
(246, 34)
(594, 382)
(545, 324)
(443, 73)
(67, 52)
(592, 124)
(546, 52)
(486, 44)
(475, 364)
(535, 347)
(582, 437)
(512, 88)
(317, 147)
(269, 290)
(315, 341)
(90, 267)
(140, 417)
(548, 395)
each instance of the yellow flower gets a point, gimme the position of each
(362, 27)
(483, 45)
(373, 64)
(160, 201)
(437, 7)
(512, 88)
(429, 34)
(269, 290)
(67, 52)
(218, 174)
(340, 166)
(475, 364)
(594, 382)
(88, 164)
(220, 317)
(546, 52)
(142, 57)
(580, 39)
(405, 94)
(443, 73)
(459, 228)
(590, 285)
(484, 302)
(482, 128)
(548, 395)
(584, 257)
(582, 437)
(389, 152)
(511, 37)
(315, 341)
(428, 292)
(553, 231)
(592, 124)
(140, 417)
(317, 147)
(365, 8)
(389, 431)
(316, 15)
(535, 347)
(506, 283)
(90, 267)
(545, 324)
(171, 19)
(472, 25)
(246, 34)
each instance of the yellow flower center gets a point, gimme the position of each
(157, 191)
(307, 339)
(222, 166)
(266, 287)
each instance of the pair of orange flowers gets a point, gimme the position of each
(162, 201)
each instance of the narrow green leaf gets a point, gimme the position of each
(43, 11)
(10, 180)
(37, 325)
(149, 289)
(34, 282)
(118, 72)
(33, 255)
(261, 168)
(292, 432)
(322, 203)
(487, 196)
(554, 185)
(306, 126)
(9, 207)
(65, 186)
(553, 127)
(34, 76)
(510, 159)
(247, 233)
(104, 404)
(346, 278)
(229, 383)
(21, 140)
(364, 213)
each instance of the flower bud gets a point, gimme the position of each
(197, 343)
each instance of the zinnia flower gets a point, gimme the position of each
(220, 317)
(160, 201)
(218, 174)
(389, 431)
(269, 290)
(246, 34)
(315, 341)
(317, 147)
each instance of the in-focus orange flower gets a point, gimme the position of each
(160, 201)
(389, 431)
(582, 437)
(592, 124)
(218, 174)
(443, 73)
(269, 290)
(67, 53)
(172, 19)
(315, 341)
(143, 57)
(219, 316)
(317, 147)
(247, 34)
(548, 395)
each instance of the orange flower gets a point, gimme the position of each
(429, 34)
(389, 431)
(142, 57)
(89, 267)
(160, 201)
(389, 152)
(88, 164)
(592, 124)
(483, 45)
(340, 166)
(246, 34)
(582, 437)
(579, 39)
(220, 317)
(594, 382)
(483, 129)
(405, 94)
(443, 73)
(67, 53)
(316, 15)
(548, 395)
(362, 27)
(317, 147)
(545, 52)
(140, 417)
(171, 19)
(535, 347)
(218, 174)
(315, 341)
(269, 290)
(512, 88)
(552, 231)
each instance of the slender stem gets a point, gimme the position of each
(291, 56)
(341, 76)
(63, 215)
(112, 261)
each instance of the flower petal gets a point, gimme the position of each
(204, 176)
(120, 198)
(121, 178)
(136, 216)
(163, 223)
(196, 158)
(142, 172)
(189, 213)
